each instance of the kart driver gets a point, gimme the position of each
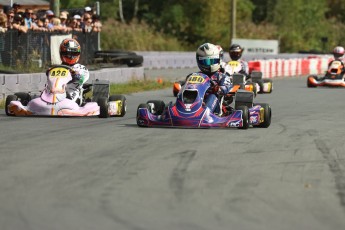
(338, 55)
(69, 55)
(208, 59)
(235, 52)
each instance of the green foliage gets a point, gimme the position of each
(136, 36)
(300, 24)
(73, 3)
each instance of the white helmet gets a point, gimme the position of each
(208, 58)
(338, 52)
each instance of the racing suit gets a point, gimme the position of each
(80, 74)
(220, 85)
(244, 68)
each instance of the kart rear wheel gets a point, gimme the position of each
(24, 98)
(245, 116)
(158, 106)
(141, 106)
(103, 107)
(265, 81)
(123, 103)
(260, 82)
(9, 98)
(267, 115)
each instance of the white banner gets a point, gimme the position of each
(254, 46)
(55, 42)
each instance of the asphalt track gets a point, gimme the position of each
(106, 174)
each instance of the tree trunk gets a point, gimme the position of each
(136, 8)
(121, 12)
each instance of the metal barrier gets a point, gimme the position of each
(17, 48)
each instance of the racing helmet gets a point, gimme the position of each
(338, 52)
(235, 52)
(208, 58)
(69, 51)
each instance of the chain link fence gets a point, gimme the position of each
(25, 49)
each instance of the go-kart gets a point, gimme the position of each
(254, 82)
(54, 100)
(334, 76)
(190, 111)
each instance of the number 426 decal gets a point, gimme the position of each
(58, 72)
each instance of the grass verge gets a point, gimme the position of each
(130, 87)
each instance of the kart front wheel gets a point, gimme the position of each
(245, 116)
(156, 107)
(309, 84)
(140, 122)
(24, 98)
(9, 98)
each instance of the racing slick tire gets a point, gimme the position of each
(267, 115)
(310, 85)
(260, 82)
(103, 107)
(265, 81)
(24, 98)
(141, 106)
(9, 98)
(245, 116)
(158, 106)
(123, 103)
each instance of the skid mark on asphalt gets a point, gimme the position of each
(178, 176)
(335, 168)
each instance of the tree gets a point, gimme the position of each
(300, 23)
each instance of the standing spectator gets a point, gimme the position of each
(50, 15)
(75, 23)
(87, 10)
(63, 18)
(97, 25)
(16, 7)
(10, 18)
(87, 23)
(40, 24)
(3, 23)
(28, 19)
(18, 23)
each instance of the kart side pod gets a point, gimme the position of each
(244, 97)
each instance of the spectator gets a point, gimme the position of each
(10, 17)
(16, 7)
(40, 24)
(50, 15)
(75, 23)
(28, 19)
(3, 23)
(63, 18)
(19, 24)
(88, 10)
(97, 25)
(87, 25)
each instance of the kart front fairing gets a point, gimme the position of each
(330, 79)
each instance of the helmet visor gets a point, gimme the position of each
(208, 61)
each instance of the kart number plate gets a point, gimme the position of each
(58, 72)
(196, 79)
(234, 64)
